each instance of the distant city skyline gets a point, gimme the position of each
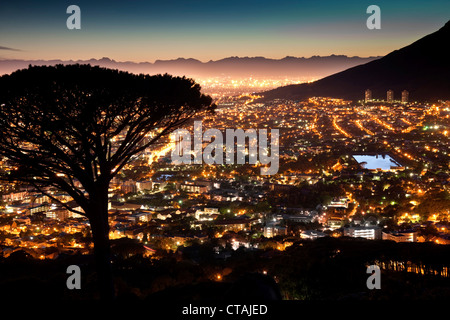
(210, 30)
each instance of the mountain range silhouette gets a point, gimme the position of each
(314, 67)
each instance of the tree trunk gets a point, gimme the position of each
(98, 218)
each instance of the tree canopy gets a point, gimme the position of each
(64, 124)
(75, 127)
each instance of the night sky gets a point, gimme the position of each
(213, 29)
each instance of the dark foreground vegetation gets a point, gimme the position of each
(325, 269)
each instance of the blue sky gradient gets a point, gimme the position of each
(213, 29)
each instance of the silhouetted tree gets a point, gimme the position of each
(74, 128)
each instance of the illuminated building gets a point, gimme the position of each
(405, 96)
(367, 232)
(144, 185)
(390, 96)
(234, 224)
(194, 188)
(368, 95)
(339, 203)
(128, 186)
(312, 234)
(141, 216)
(401, 236)
(273, 230)
(206, 214)
(334, 223)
